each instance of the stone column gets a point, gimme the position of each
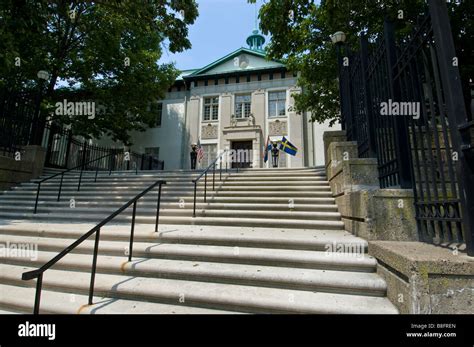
(296, 132)
(194, 119)
(258, 107)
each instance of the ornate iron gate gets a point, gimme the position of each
(431, 150)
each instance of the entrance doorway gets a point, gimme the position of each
(243, 154)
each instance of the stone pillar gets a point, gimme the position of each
(225, 109)
(332, 136)
(337, 152)
(22, 169)
(36, 156)
(194, 120)
(296, 131)
(258, 107)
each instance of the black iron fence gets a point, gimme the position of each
(65, 151)
(402, 101)
(17, 114)
(21, 125)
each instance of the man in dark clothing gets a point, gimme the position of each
(193, 156)
(275, 154)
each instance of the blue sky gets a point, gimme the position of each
(221, 28)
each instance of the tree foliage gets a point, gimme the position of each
(301, 29)
(86, 46)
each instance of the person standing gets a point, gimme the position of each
(193, 156)
(275, 154)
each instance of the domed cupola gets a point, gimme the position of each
(256, 41)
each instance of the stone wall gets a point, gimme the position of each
(421, 278)
(29, 165)
(367, 211)
(425, 279)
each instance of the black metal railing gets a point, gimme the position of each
(428, 150)
(82, 166)
(204, 174)
(38, 273)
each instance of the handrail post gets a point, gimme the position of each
(158, 208)
(130, 250)
(194, 208)
(60, 185)
(80, 180)
(82, 166)
(96, 173)
(205, 186)
(94, 266)
(39, 284)
(220, 170)
(37, 197)
(213, 176)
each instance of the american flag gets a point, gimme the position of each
(200, 151)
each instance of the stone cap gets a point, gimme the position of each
(409, 257)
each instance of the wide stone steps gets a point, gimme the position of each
(354, 262)
(16, 299)
(281, 238)
(165, 188)
(185, 204)
(184, 183)
(264, 241)
(243, 274)
(151, 211)
(180, 220)
(223, 296)
(8, 198)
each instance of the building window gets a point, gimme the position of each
(242, 106)
(159, 114)
(277, 104)
(153, 151)
(210, 153)
(211, 108)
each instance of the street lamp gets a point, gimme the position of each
(43, 75)
(338, 39)
(38, 125)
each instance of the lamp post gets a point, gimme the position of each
(38, 127)
(471, 85)
(338, 39)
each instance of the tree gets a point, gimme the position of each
(104, 52)
(300, 31)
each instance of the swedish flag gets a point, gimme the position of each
(287, 147)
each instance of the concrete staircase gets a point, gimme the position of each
(298, 198)
(266, 241)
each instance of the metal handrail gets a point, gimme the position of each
(204, 173)
(38, 273)
(62, 177)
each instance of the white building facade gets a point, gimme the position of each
(236, 102)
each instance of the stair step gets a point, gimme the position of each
(220, 296)
(51, 203)
(211, 199)
(255, 237)
(179, 220)
(183, 188)
(20, 299)
(197, 271)
(208, 212)
(353, 260)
